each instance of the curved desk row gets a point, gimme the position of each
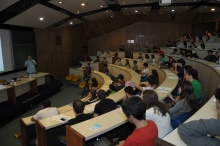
(76, 135)
(209, 75)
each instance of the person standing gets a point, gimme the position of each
(30, 64)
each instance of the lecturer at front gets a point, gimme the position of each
(30, 64)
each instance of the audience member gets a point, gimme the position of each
(146, 132)
(91, 97)
(158, 112)
(119, 62)
(148, 59)
(192, 76)
(127, 64)
(161, 60)
(121, 80)
(174, 52)
(94, 84)
(97, 59)
(155, 74)
(105, 105)
(190, 54)
(179, 68)
(210, 57)
(135, 66)
(129, 92)
(104, 61)
(111, 90)
(89, 59)
(153, 58)
(140, 57)
(186, 68)
(185, 102)
(202, 132)
(103, 54)
(89, 68)
(144, 72)
(117, 85)
(48, 111)
(159, 51)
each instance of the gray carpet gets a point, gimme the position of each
(65, 96)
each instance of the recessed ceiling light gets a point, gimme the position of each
(161, 13)
(83, 4)
(77, 12)
(147, 1)
(111, 16)
(212, 9)
(60, 2)
(145, 7)
(173, 10)
(136, 11)
(106, 11)
(101, 6)
(41, 18)
(144, 13)
(71, 23)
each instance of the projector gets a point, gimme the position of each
(165, 2)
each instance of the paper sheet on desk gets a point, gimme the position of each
(60, 118)
(170, 73)
(90, 107)
(95, 127)
(162, 91)
(164, 88)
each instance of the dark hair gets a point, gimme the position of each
(162, 55)
(121, 77)
(187, 67)
(101, 94)
(188, 94)
(129, 90)
(147, 56)
(152, 80)
(134, 106)
(88, 64)
(127, 62)
(116, 80)
(175, 50)
(150, 99)
(135, 61)
(97, 56)
(193, 73)
(152, 56)
(189, 51)
(217, 93)
(119, 59)
(78, 106)
(182, 61)
(155, 74)
(145, 64)
(210, 51)
(46, 103)
(112, 87)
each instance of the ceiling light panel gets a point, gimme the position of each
(131, 2)
(76, 5)
(30, 17)
(206, 9)
(100, 15)
(74, 22)
(176, 10)
(137, 10)
(6, 3)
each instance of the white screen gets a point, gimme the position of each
(6, 57)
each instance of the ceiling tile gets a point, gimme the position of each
(173, 10)
(75, 7)
(30, 17)
(6, 3)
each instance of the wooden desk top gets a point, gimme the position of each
(23, 81)
(4, 87)
(206, 112)
(107, 121)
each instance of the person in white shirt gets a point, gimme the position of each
(157, 112)
(46, 112)
(144, 72)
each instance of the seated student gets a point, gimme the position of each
(153, 58)
(155, 74)
(148, 59)
(144, 72)
(196, 132)
(117, 85)
(146, 132)
(190, 54)
(97, 59)
(218, 57)
(186, 68)
(91, 97)
(192, 76)
(179, 68)
(89, 68)
(121, 80)
(89, 59)
(127, 64)
(111, 90)
(135, 66)
(104, 61)
(158, 112)
(148, 85)
(105, 105)
(118, 62)
(94, 84)
(174, 52)
(159, 51)
(140, 57)
(210, 56)
(48, 111)
(185, 102)
(103, 54)
(78, 108)
(129, 92)
(161, 60)
(169, 62)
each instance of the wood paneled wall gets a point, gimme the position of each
(143, 33)
(56, 59)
